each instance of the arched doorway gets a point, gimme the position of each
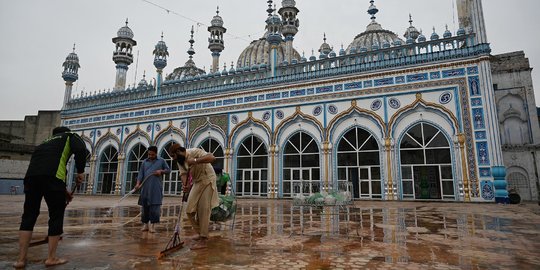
(108, 167)
(301, 166)
(358, 163)
(426, 164)
(172, 185)
(136, 156)
(252, 168)
(212, 146)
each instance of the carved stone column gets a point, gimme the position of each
(327, 166)
(389, 181)
(466, 184)
(274, 184)
(91, 175)
(119, 173)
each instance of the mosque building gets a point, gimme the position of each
(386, 118)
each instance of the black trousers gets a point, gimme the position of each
(54, 192)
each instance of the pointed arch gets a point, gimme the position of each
(106, 140)
(428, 106)
(207, 131)
(427, 162)
(240, 130)
(313, 127)
(168, 134)
(134, 138)
(348, 118)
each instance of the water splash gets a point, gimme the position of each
(110, 211)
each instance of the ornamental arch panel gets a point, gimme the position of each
(107, 170)
(251, 167)
(301, 164)
(358, 162)
(426, 162)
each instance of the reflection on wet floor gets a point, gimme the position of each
(272, 234)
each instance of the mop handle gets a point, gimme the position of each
(177, 228)
(142, 183)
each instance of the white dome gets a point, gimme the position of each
(374, 36)
(125, 32)
(257, 53)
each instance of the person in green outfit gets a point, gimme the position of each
(221, 180)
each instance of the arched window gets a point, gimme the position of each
(252, 168)
(212, 146)
(108, 166)
(301, 168)
(520, 183)
(426, 164)
(358, 163)
(136, 156)
(172, 184)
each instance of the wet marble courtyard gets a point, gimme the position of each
(275, 234)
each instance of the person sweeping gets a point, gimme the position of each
(46, 178)
(203, 195)
(151, 196)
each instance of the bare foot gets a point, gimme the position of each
(55, 261)
(19, 264)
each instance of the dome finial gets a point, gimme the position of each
(191, 51)
(372, 10)
(410, 19)
(269, 10)
(126, 21)
(73, 47)
(217, 10)
(161, 35)
(324, 37)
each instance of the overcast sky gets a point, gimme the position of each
(37, 35)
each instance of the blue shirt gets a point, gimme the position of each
(152, 190)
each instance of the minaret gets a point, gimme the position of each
(70, 75)
(215, 41)
(471, 18)
(160, 61)
(122, 56)
(288, 13)
(273, 28)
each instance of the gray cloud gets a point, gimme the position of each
(38, 35)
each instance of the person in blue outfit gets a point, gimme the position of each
(149, 181)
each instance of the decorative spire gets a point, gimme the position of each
(372, 10)
(410, 19)
(269, 10)
(191, 51)
(73, 47)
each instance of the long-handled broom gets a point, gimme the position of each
(175, 243)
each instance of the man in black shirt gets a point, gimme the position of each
(46, 178)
